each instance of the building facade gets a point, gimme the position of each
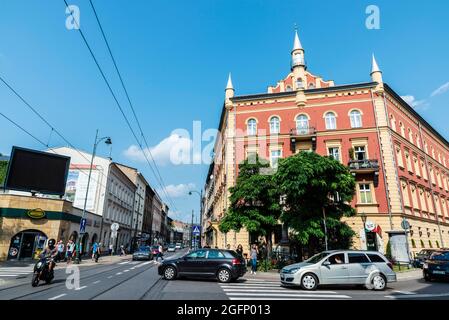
(400, 163)
(26, 223)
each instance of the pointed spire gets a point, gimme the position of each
(375, 67)
(297, 44)
(229, 85)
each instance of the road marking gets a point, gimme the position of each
(404, 292)
(275, 290)
(127, 270)
(98, 281)
(339, 296)
(81, 288)
(423, 295)
(119, 273)
(125, 262)
(57, 297)
(143, 264)
(110, 277)
(272, 298)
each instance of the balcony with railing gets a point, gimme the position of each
(303, 132)
(363, 166)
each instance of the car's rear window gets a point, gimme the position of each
(357, 258)
(230, 254)
(375, 257)
(215, 254)
(443, 255)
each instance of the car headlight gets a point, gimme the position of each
(292, 270)
(39, 264)
(425, 265)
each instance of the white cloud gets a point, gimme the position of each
(416, 104)
(442, 89)
(178, 190)
(175, 150)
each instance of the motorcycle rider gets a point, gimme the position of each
(50, 252)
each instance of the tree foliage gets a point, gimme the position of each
(3, 168)
(254, 201)
(310, 182)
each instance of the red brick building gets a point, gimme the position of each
(400, 163)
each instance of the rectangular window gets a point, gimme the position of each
(365, 193)
(423, 169)
(274, 157)
(414, 197)
(399, 157)
(334, 152)
(416, 164)
(405, 195)
(408, 161)
(360, 153)
(423, 200)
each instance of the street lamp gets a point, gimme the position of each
(201, 211)
(107, 141)
(364, 217)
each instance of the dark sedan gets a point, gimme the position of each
(225, 265)
(143, 253)
(421, 257)
(437, 266)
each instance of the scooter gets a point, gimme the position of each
(42, 272)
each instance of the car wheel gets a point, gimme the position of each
(169, 273)
(309, 281)
(224, 275)
(379, 282)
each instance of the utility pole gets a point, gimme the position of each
(191, 233)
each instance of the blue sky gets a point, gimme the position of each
(175, 57)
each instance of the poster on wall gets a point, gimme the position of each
(77, 185)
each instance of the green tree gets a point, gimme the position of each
(3, 168)
(310, 182)
(254, 201)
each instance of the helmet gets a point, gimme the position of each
(51, 243)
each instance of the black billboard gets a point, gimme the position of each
(37, 172)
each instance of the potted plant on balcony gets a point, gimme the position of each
(351, 154)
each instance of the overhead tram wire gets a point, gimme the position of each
(117, 102)
(128, 97)
(53, 129)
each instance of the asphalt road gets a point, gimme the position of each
(138, 280)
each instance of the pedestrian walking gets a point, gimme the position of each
(111, 249)
(240, 250)
(122, 250)
(69, 251)
(95, 251)
(253, 256)
(60, 248)
(160, 253)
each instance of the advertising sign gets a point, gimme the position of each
(80, 187)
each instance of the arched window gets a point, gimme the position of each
(299, 83)
(302, 124)
(331, 121)
(401, 125)
(288, 88)
(252, 127)
(275, 126)
(311, 86)
(356, 119)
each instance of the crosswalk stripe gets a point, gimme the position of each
(277, 290)
(341, 296)
(124, 262)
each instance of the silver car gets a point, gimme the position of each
(369, 268)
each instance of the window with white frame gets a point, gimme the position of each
(275, 125)
(252, 127)
(360, 153)
(399, 157)
(302, 123)
(274, 157)
(334, 152)
(330, 120)
(366, 195)
(356, 119)
(393, 122)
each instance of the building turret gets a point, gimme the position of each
(229, 91)
(376, 75)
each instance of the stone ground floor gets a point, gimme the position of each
(423, 233)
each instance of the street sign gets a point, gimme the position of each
(115, 226)
(83, 225)
(196, 230)
(405, 224)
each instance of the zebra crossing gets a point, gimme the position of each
(16, 272)
(260, 289)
